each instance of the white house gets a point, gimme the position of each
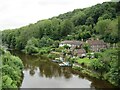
(70, 43)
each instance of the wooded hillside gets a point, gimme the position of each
(99, 21)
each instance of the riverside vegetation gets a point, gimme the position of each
(11, 70)
(99, 21)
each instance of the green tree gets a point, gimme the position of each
(31, 49)
(45, 42)
(86, 47)
(101, 26)
(12, 67)
(79, 18)
(89, 21)
(66, 28)
(32, 46)
(33, 41)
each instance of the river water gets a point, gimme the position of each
(39, 72)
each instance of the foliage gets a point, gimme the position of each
(53, 55)
(31, 49)
(45, 42)
(108, 30)
(108, 66)
(79, 18)
(97, 55)
(66, 28)
(60, 49)
(31, 46)
(99, 66)
(11, 71)
(86, 47)
(78, 24)
(55, 44)
(33, 42)
(86, 61)
(66, 47)
(100, 21)
(44, 50)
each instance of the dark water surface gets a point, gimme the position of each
(39, 72)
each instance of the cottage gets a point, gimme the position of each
(80, 52)
(71, 43)
(96, 45)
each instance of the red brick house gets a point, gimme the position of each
(96, 45)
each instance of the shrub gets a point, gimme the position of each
(12, 67)
(44, 50)
(97, 55)
(52, 56)
(60, 49)
(31, 49)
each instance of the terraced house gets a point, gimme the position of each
(97, 45)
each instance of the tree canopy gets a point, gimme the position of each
(11, 70)
(99, 20)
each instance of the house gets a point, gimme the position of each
(71, 43)
(96, 45)
(80, 52)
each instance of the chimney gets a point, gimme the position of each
(97, 38)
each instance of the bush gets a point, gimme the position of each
(44, 50)
(77, 68)
(60, 49)
(97, 55)
(12, 67)
(52, 56)
(31, 49)
(72, 60)
(45, 42)
(66, 47)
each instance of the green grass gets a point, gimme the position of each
(86, 61)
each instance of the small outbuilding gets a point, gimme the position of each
(80, 52)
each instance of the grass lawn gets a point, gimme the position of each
(86, 61)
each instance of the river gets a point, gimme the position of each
(39, 72)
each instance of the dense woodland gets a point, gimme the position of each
(99, 21)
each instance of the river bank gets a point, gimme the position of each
(37, 68)
(91, 73)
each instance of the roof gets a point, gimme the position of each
(73, 42)
(96, 42)
(80, 51)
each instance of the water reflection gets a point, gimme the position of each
(40, 72)
(47, 68)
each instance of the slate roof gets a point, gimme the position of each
(80, 51)
(96, 42)
(72, 42)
